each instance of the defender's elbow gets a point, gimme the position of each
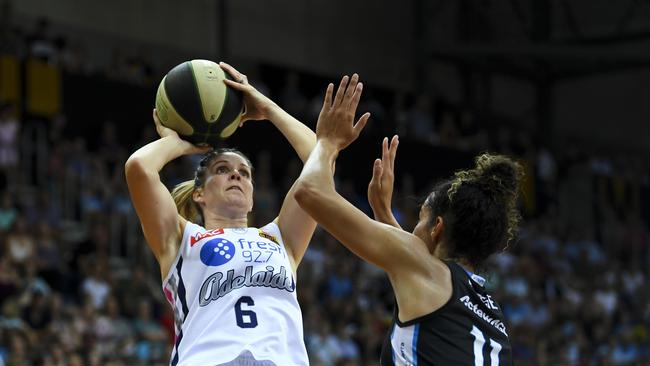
(306, 194)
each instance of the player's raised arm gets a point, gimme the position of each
(296, 226)
(159, 218)
(375, 242)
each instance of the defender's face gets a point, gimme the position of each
(422, 229)
(228, 184)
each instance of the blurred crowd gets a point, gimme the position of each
(78, 285)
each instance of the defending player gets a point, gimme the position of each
(443, 315)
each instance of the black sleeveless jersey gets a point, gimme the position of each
(468, 330)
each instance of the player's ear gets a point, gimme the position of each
(197, 195)
(437, 230)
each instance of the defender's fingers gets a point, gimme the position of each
(351, 89)
(328, 96)
(393, 150)
(361, 123)
(356, 97)
(376, 172)
(384, 150)
(341, 91)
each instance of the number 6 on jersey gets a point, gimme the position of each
(245, 318)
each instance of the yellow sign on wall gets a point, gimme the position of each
(43, 86)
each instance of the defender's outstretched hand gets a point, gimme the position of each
(336, 120)
(380, 188)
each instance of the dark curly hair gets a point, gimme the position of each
(479, 208)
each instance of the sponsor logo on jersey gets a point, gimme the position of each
(268, 236)
(261, 245)
(498, 324)
(487, 300)
(216, 286)
(217, 252)
(207, 234)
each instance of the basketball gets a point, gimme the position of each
(193, 100)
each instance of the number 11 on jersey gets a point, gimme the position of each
(479, 342)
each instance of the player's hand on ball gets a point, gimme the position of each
(257, 105)
(188, 148)
(336, 120)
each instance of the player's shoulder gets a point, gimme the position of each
(271, 229)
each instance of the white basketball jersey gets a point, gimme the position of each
(234, 299)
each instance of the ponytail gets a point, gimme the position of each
(186, 206)
(479, 207)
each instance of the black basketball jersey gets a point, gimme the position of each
(468, 330)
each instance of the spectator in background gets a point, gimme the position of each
(41, 42)
(546, 173)
(18, 350)
(112, 327)
(49, 258)
(10, 282)
(96, 286)
(9, 135)
(266, 195)
(421, 120)
(152, 339)
(380, 121)
(20, 244)
(135, 287)
(8, 212)
(448, 130)
(74, 57)
(473, 136)
(139, 71)
(292, 98)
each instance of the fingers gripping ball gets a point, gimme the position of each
(193, 100)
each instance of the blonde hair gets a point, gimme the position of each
(185, 204)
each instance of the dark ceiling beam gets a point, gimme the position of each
(547, 52)
(606, 39)
(523, 62)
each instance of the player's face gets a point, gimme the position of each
(229, 183)
(422, 229)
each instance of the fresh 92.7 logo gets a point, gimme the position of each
(217, 252)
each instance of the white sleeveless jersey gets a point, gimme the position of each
(234, 299)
